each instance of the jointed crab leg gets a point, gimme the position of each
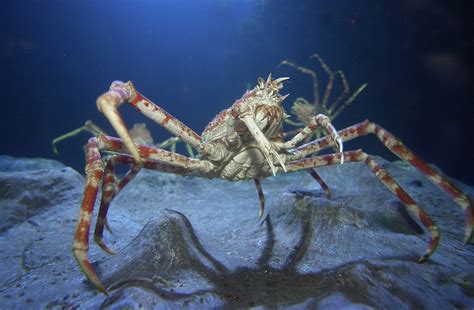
(89, 126)
(171, 143)
(110, 189)
(314, 77)
(330, 83)
(95, 172)
(151, 158)
(321, 182)
(399, 149)
(348, 101)
(385, 178)
(317, 121)
(119, 93)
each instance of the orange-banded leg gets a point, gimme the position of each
(396, 146)
(94, 172)
(110, 189)
(119, 93)
(385, 178)
(151, 158)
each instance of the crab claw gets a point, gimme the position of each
(324, 121)
(108, 104)
(266, 147)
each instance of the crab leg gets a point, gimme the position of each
(95, 172)
(330, 83)
(399, 149)
(190, 165)
(386, 179)
(345, 91)
(314, 77)
(267, 148)
(89, 126)
(261, 197)
(121, 92)
(348, 101)
(321, 182)
(317, 121)
(110, 189)
(151, 158)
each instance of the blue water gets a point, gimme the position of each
(194, 58)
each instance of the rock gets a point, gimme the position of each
(12, 164)
(187, 242)
(26, 194)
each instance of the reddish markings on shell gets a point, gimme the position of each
(348, 132)
(109, 178)
(353, 156)
(376, 169)
(361, 129)
(82, 233)
(324, 143)
(420, 165)
(89, 194)
(146, 151)
(138, 97)
(98, 174)
(112, 143)
(425, 219)
(401, 150)
(381, 133)
(444, 184)
(407, 200)
(168, 117)
(328, 158)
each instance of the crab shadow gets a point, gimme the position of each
(261, 284)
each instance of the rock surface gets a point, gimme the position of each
(191, 242)
(13, 164)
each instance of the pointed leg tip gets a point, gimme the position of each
(102, 289)
(468, 238)
(104, 246)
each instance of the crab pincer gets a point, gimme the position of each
(267, 148)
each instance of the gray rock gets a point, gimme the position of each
(196, 243)
(26, 194)
(15, 164)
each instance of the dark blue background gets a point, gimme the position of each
(194, 58)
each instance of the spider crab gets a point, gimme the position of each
(242, 142)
